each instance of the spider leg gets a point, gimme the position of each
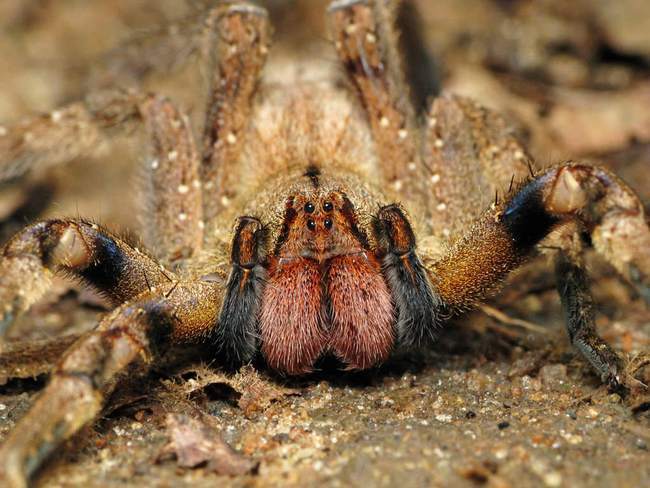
(467, 146)
(125, 343)
(74, 247)
(366, 42)
(174, 222)
(578, 308)
(503, 237)
(239, 36)
(70, 132)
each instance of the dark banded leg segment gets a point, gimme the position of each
(236, 337)
(239, 37)
(417, 305)
(505, 236)
(74, 247)
(125, 343)
(366, 42)
(579, 312)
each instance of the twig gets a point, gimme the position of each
(506, 319)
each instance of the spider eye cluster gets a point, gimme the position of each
(311, 223)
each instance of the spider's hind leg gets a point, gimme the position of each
(367, 45)
(239, 37)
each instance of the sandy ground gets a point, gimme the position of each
(491, 403)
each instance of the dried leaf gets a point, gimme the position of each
(257, 392)
(195, 443)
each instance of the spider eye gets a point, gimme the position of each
(311, 225)
(309, 207)
(328, 206)
(328, 223)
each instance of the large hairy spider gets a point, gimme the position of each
(320, 215)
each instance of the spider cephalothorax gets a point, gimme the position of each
(359, 226)
(326, 277)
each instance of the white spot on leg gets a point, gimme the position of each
(439, 143)
(183, 189)
(182, 216)
(56, 116)
(402, 133)
(397, 184)
(412, 166)
(155, 164)
(231, 138)
(441, 207)
(172, 155)
(225, 201)
(371, 38)
(435, 178)
(196, 184)
(3, 131)
(384, 122)
(201, 224)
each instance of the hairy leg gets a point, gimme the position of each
(366, 42)
(578, 308)
(62, 135)
(503, 237)
(239, 36)
(174, 221)
(466, 146)
(125, 343)
(77, 248)
(507, 232)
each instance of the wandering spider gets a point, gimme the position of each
(320, 215)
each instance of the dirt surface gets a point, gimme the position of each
(494, 402)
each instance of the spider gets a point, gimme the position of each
(320, 215)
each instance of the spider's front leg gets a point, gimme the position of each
(73, 247)
(506, 234)
(124, 343)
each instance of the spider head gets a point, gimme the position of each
(319, 226)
